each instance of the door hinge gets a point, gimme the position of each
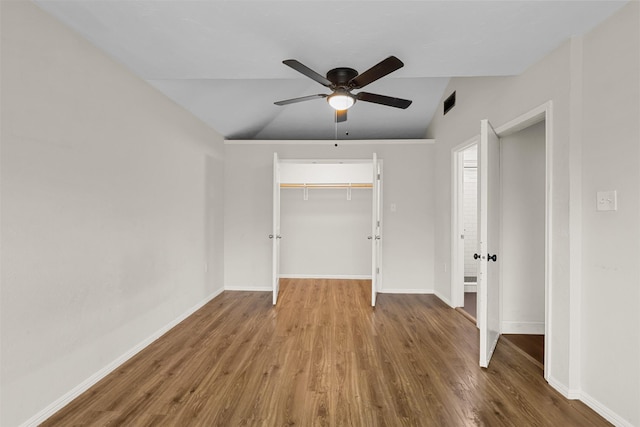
(377, 270)
(378, 177)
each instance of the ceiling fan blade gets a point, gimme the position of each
(379, 70)
(384, 100)
(302, 98)
(341, 116)
(301, 68)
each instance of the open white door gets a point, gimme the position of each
(275, 233)
(488, 241)
(376, 230)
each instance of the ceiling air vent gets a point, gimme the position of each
(449, 103)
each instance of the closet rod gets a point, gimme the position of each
(326, 185)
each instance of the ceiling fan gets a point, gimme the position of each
(343, 80)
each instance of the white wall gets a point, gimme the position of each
(407, 258)
(111, 207)
(326, 235)
(611, 240)
(595, 343)
(470, 211)
(522, 178)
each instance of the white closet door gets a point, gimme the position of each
(376, 230)
(488, 241)
(275, 233)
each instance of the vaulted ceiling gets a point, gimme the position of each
(222, 60)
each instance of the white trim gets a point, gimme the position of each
(562, 389)
(443, 299)
(575, 211)
(470, 288)
(249, 288)
(327, 276)
(406, 291)
(525, 120)
(66, 398)
(604, 411)
(327, 141)
(591, 402)
(526, 328)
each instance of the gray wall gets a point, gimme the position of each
(522, 177)
(111, 212)
(593, 83)
(326, 235)
(407, 259)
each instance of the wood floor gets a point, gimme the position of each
(324, 357)
(531, 345)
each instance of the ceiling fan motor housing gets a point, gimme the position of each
(340, 77)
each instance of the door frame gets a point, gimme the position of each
(544, 113)
(376, 211)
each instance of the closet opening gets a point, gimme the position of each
(328, 224)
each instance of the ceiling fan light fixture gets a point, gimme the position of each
(341, 100)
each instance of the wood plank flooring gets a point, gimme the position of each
(532, 345)
(323, 357)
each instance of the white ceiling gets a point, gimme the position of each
(222, 60)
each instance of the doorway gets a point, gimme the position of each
(469, 235)
(517, 303)
(522, 218)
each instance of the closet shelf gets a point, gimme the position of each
(326, 185)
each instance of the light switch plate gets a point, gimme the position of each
(607, 200)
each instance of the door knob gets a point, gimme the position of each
(278, 237)
(493, 257)
(369, 237)
(377, 237)
(271, 236)
(476, 256)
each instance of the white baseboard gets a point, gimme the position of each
(592, 403)
(604, 411)
(562, 389)
(444, 299)
(249, 288)
(526, 328)
(471, 287)
(65, 399)
(406, 291)
(327, 276)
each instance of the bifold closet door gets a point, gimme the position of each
(275, 232)
(376, 230)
